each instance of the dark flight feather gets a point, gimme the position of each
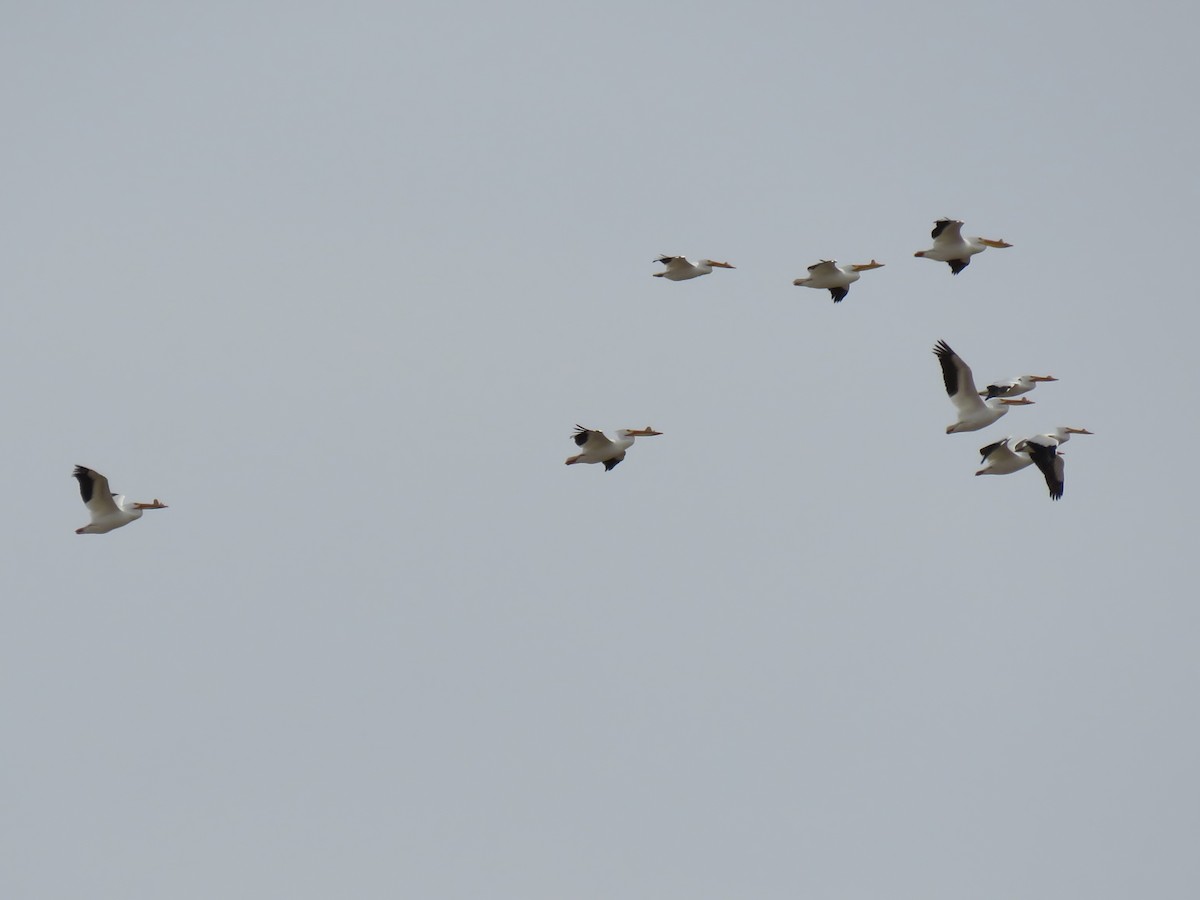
(86, 485)
(998, 390)
(946, 357)
(987, 451)
(1046, 458)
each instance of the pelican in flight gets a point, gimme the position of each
(1004, 457)
(1000, 459)
(1043, 450)
(107, 512)
(596, 448)
(680, 268)
(949, 246)
(1014, 387)
(974, 413)
(1045, 456)
(828, 275)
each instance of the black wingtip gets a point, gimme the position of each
(86, 486)
(985, 452)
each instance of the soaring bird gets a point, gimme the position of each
(1043, 450)
(596, 448)
(1000, 459)
(1014, 387)
(973, 412)
(949, 246)
(107, 512)
(680, 268)
(828, 275)
(1045, 456)
(1008, 455)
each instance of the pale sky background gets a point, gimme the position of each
(336, 282)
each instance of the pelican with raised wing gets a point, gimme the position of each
(949, 246)
(974, 413)
(680, 268)
(828, 275)
(107, 512)
(594, 447)
(1014, 387)
(1000, 459)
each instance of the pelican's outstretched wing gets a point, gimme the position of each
(96, 494)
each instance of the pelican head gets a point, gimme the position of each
(863, 267)
(1016, 401)
(157, 504)
(1042, 378)
(1070, 430)
(988, 242)
(715, 264)
(644, 432)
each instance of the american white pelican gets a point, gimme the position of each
(107, 512)
(1044, 454)
(828, 275)
(1040, 449)
(949, 246)
(596, 448)
(1000, 459)
(1014, 387)
(973, 412)
(1043, 449)
(680, 268)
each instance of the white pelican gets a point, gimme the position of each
(1045, 456)
(828, 275)
(107, 512)
(680, 268)
(973, 412)
(1014, 387)
(1000, 459)
(949, 246)
(596, 448)
(1043, 450)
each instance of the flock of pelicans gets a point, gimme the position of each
(976, 409)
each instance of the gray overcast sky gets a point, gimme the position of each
(335, 281)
